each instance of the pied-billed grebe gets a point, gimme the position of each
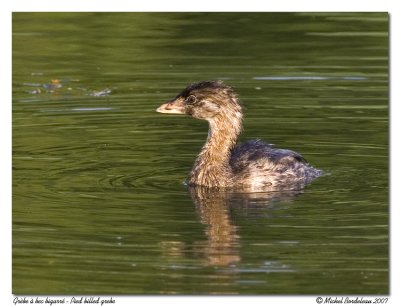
(253, 164)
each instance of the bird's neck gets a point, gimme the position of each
(212, 167)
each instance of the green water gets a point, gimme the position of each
(99, 205)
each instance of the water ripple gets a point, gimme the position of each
(145, 180)
(301, 78)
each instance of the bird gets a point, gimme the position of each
(222, 163)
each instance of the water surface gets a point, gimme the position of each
(99, 204)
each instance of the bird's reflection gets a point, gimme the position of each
(222, 247)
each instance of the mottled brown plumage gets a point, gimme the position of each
(253, 165)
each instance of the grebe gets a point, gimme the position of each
(253, 164)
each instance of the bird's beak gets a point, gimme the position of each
(172, 107)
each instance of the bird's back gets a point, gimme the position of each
(257, 164)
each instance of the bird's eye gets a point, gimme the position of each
(191, 99)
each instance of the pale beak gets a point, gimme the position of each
(173, 107)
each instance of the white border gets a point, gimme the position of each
(204, 5)
(5, 153)
(9, 6)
